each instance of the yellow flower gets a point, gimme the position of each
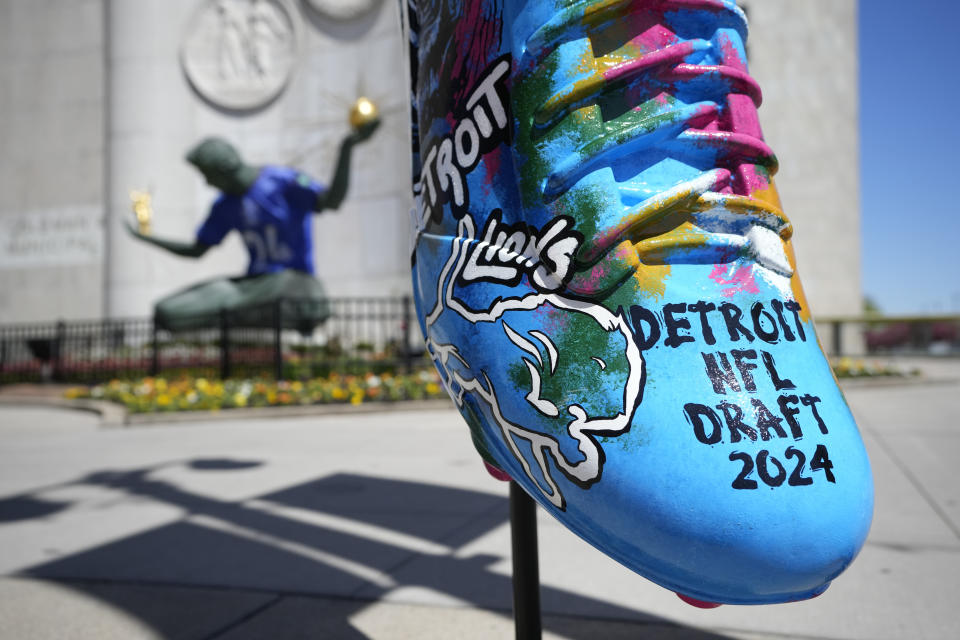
(357, 397)
(296, 385)
(163, 400)
(338, 393)
(433, 388)
(239, 399)
(201, 384)
(74, 392)
(160, 384)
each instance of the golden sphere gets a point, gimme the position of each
(363, 113)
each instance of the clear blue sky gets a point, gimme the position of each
(909, 147)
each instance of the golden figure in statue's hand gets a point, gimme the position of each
(142, 209)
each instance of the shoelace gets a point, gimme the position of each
(692, 125)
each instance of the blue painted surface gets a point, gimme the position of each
(579, 227)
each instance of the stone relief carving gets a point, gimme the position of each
(344, 10)
(240, 54)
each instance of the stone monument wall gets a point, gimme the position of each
(804, 55)
(51, 160)
(278, 79)
(102, 97)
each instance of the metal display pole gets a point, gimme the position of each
(526, 566)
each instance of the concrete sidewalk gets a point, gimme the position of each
(386, 526)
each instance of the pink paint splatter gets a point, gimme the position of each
(477, 37)
(699, 604)
(499, 474)
(742, 118)
(653, 38)
(740, 279)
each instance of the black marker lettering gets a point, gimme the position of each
(811, 401)
(745, 367)
(790, 414)
(778, 382)
(767, 335)
(734, 417)
(673, 325)
(778, 308)
(731, 316)
(694, 413)
(766, 420)
(703, 308)
(718, 377)
(795, 308)
(640, 316)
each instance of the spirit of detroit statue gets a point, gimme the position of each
(269, 206)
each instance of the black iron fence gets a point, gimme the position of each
(290, 340)
(891, 335)
(286, 339)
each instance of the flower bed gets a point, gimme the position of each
(858, 368)
(149, 395)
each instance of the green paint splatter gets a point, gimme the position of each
(519, 375)
(578, 378)
(475, 422)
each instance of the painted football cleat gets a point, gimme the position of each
(605, 280)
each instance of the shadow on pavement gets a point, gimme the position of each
(347, 536)
(28, 507)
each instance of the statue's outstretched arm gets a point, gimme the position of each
(334, 195)
(185, 249)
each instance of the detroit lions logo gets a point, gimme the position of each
(557, 374)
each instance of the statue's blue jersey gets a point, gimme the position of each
(273, 217)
